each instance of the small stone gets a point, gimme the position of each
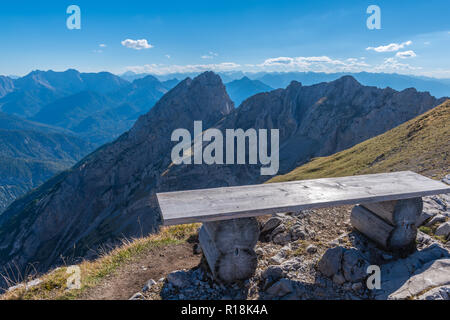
(330, 263)
(148, 285)
(357, 286)
(178, 278)
(279, 229)
(298, 232)
(280, 288)
(271, 224)
(259, 252)
(424, 216)
(273, 273)
(311, 249)
(137, 296)
(277, 259)
(282, 238)
(443, 230)
(439, 218)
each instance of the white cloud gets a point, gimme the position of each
(406, 54)
(390, 47)
(102, 45)
(210, 55)
(166, 69)
(168, 56)
(392, 65)
(98, 51)
(136, 44)
(313, 63)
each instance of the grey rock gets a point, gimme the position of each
(439, 293)
(278, 258)
(282, 238)
(330, 263)
(357, 286)
(137, 296)
(292, 264)
(439, 218)
(311, 249)
(273, 273)
(443, 230)
(396, 273)
(178, 279)
(150, 283)
(259, 251)
(431, 275)
(280, 288)
(354, 266)
(271, 224)
(298, 232)
(424, 217)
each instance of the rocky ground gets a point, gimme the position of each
(315, 254)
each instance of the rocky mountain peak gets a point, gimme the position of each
(208, 78)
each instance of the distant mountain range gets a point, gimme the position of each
(31, 153)
(436, 87)
(110, 193)
(95, 106)
(31, 92)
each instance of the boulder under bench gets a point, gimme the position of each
(387, 206)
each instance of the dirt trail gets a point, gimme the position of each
(130, 278)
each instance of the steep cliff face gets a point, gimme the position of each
(110, 194)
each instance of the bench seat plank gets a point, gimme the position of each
(253, 200)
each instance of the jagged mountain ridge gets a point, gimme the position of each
(38, 88)
(108, 195)
(100, 117)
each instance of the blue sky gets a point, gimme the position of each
(260, 35)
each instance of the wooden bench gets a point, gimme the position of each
(388, 205)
